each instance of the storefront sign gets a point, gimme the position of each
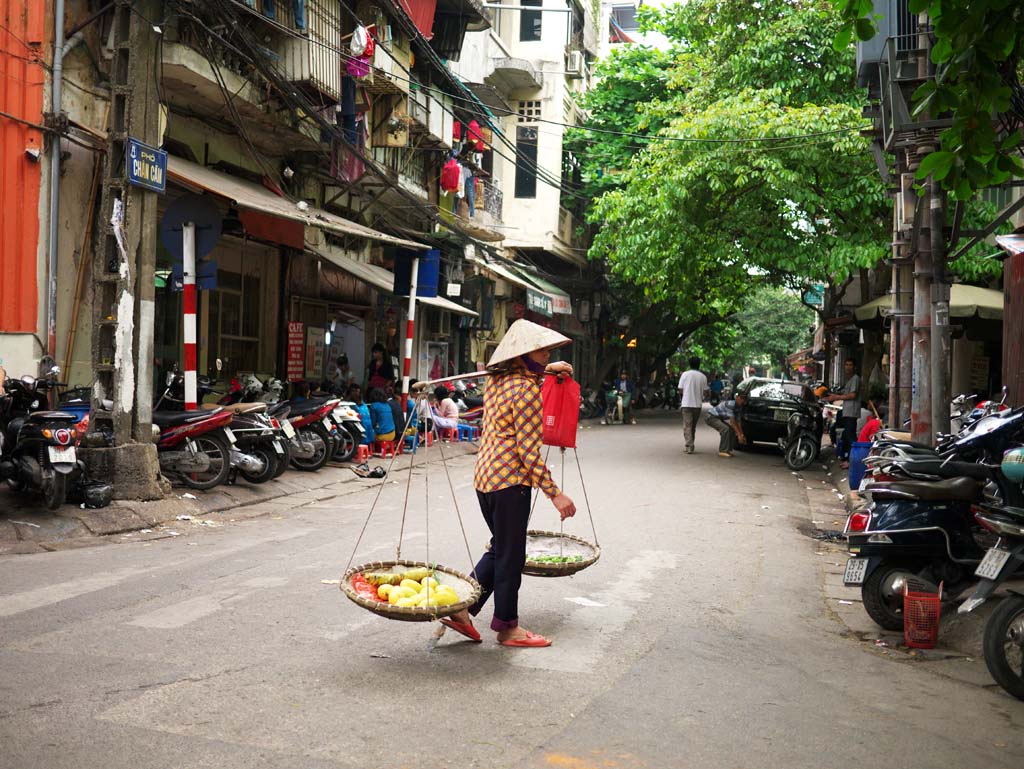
(146, 166)
(538, 302)
(296, 350)
(316, 344)
(561, 305)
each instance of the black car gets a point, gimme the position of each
(770, 403)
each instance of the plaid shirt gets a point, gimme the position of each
(513, 431)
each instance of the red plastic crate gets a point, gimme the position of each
(922, 611)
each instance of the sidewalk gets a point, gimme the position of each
(959, 651)
(26, 528)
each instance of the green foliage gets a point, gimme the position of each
(699, 224)
(977, 52)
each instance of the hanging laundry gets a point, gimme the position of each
(451, 176)
(469, 187)
(476, 139)
(460, 193)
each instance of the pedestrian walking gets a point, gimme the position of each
(726, 418)
(508, 466)
(693, 386)
(849, 396)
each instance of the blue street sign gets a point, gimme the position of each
(147, 166)
(206, 276)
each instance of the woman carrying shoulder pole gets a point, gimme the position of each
(508, 466)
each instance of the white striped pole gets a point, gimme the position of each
(188, 243)
(409, 328)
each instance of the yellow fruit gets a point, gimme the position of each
(382, 578)
(406, 602)
(416, 574)
(384, 590)
(411, 584)
(445, 599)
(429, 580)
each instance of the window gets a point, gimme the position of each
(624, 17)
(234, 321)
(526, 162)
(530, 21)
(529, 111)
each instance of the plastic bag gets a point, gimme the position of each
(561, 403)
(359, 39)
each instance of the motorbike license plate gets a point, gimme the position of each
(856, 568)
(231, 436)
(278, 447)
(992, 564)
(359, 427)
(780, 415)
(60, 455)
(328, 424)
(289, 431)
(866, 481)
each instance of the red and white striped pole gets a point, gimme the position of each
(410, 326)
(188, 243)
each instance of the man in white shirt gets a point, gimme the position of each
(693, 386)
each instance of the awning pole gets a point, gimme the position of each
(188, 243)
(409, 328)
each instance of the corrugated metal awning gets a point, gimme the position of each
(446, 304)
(245, 194)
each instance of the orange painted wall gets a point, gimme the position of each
(22, 79)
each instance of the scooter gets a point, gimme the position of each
(617, 405)
(37, 446)
(802, 443)
(1004, 629)
(195, 446)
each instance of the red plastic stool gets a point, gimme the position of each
(429, 437)
(450, 434)
(383, 449)
(362, 453)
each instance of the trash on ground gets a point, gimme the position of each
(186, 495)
(379, 656)
(880, 642)
(845, 603)
(330, 582)
(26, 523)
(183, 518)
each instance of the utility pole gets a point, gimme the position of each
(901, 326)
(124, 263)
(921, 396)
(940, 339)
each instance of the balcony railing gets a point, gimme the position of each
(489, 198)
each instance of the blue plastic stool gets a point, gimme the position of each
(858, 452)
(412, 442)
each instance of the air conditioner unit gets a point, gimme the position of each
(575, 64)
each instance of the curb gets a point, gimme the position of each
(33, 530)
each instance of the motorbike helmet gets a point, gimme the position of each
(820, 391)
(1013, 465)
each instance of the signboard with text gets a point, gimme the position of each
(296, 351)
(146, 166)
(538, 302)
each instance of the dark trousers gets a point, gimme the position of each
(500, 569)
(849, 427)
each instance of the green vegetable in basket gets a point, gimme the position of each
(555, 558)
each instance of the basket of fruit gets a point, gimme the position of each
(556, 554)
(412, 591)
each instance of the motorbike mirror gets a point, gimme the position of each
(55, 370)
(170, 378)
(219, 364)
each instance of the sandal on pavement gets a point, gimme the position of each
(377, 472)
(464, 628)
(531, 640)
(362, 470)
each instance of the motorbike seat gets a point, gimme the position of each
(280, 410)
(927, 466)
(951, 490)
(175, 418)
(239, 408)
(302, 408)
(52, 416)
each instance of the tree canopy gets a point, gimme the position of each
(978, 49)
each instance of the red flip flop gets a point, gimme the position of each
(532, 640)
(464, 628)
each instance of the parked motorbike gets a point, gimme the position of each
(37, 446)
(924, 528)
(1004, 629)
(802, 443)
(195, 446)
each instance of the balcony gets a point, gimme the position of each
(514, 74)
(567, 224)
(389, 69)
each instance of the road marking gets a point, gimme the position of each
(192, 609)
(581, 639)
(44, 596)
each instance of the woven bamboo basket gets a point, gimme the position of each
(558, 543)
(467, 588)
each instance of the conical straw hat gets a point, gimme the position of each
(524, 337)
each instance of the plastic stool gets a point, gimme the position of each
(450, 434)
(430, 437)
(465, 433)
(385, 449)
(362, 453)
(411, 443)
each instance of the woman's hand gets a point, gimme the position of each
(559, 367)
(564, 506)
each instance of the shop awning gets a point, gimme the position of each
(561, 302)
(382, 279)
(445, 304)
(248, 195)
(964, 302)
(505, 273)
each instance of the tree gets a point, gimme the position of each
(977, 53)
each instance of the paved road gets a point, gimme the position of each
(700, 639)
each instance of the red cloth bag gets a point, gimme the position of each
(561, 401)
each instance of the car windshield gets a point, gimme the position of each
(775, 390)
